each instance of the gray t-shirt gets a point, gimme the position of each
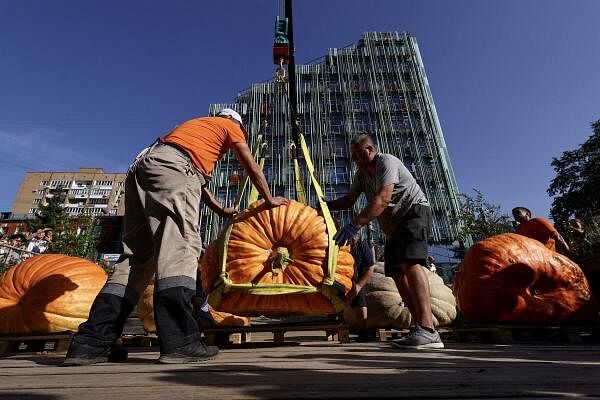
(390, 170)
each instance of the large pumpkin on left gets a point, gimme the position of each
(48, 293)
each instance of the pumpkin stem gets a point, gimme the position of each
(280, 260)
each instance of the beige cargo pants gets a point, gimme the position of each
(160, 238)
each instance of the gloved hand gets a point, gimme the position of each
(345, 234)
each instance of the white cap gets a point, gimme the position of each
(228, 112)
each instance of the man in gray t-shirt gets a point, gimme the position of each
(389, 170)
(403, 212)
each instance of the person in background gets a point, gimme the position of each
(48, 237)
(430, 264)
(163, 192)
(364, 265)
(38, 243)
(16, 243)
(404, 215)
(539, 229)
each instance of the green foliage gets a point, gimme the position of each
(5, 266)
(576, 192)
(480, 219)
(576, 187)
(73, 236)
(52, 214)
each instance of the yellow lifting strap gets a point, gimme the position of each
(253, 196)
(332, 252)
(298, 178)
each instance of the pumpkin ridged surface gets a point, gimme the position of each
(254, 238)
(386, 308)
(145, 311)
(513, 278)
(48, 293)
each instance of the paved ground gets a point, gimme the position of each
(319, 370)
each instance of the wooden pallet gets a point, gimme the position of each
(139, 340)
(35, 343)
(507, 334)
(333, 331)
(385, 335)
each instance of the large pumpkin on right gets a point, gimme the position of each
(512, 278)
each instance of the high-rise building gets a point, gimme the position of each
(377, 86)
(90, 191)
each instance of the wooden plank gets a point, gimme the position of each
(337, 331)
(319, 370)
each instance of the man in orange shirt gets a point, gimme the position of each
(163, 191)
(539, 229)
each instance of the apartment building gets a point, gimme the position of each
(89, 191)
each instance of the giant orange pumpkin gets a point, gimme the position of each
(48, 293)
(285, 245)
(513, 278)
(145, 311)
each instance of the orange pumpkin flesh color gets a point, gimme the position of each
(145, 311)
(513, 278)
(294, 231)
(48, 293)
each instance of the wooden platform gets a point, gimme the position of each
(330, 331)
(318, 370)
(52, 342)
(510, 333)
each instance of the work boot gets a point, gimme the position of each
(85, 354)
(194, 352)
(419, 338)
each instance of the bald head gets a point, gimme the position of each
(360, 140)
(363, 150)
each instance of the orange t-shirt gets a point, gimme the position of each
(206, 139)
(539, 229)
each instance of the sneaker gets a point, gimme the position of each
(191, 353)
(85, 354)
(419, 338)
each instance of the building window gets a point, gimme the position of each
(32, 210)
(103, 183)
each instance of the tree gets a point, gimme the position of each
(76, 237)
(51, 214)
(73, 236)
(480, 219)
(576, 187)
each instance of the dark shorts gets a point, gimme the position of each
(360, 300)
(409, 240)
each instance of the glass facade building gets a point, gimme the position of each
(377, 86)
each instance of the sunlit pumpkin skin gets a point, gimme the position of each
(255, 237)
(48, 293)
(512, 278)
(386, 309)
(145, 310)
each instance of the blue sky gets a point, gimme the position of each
(89, 83)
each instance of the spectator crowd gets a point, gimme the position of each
(20, 246)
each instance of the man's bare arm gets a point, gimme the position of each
(245, 157)
(375, 207)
